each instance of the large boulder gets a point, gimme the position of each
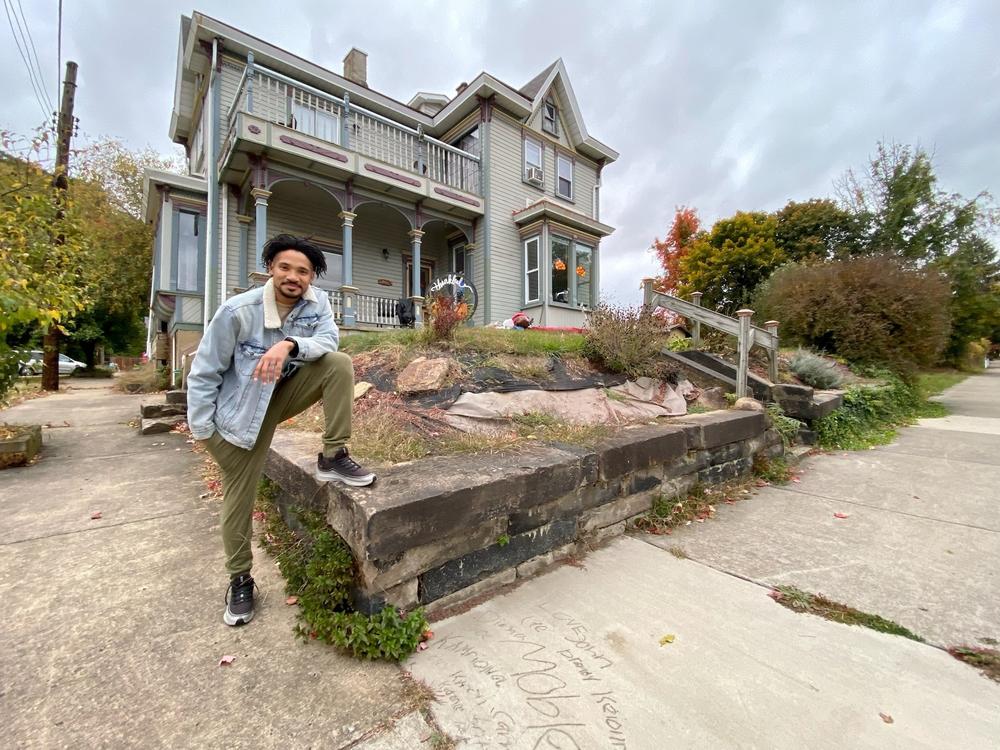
(423, 375)
(712, 399)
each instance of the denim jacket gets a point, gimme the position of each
(221, 392)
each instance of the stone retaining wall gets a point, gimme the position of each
(442, 529)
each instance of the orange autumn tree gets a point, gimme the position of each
(677, 243)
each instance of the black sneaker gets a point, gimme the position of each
(343, 468)
(239, 600)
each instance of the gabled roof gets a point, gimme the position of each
(532, 87)
(555, 78)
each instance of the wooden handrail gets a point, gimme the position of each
(747, 334)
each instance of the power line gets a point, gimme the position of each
(24, 59)
(34, 55)
(34, 71)
(59, 48)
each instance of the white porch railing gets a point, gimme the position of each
(282, 100)
(369, 310)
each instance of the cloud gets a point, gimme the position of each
(717, 105)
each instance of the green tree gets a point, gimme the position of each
(818, 229)
(39, 277)
(727, 263)
(109, 204)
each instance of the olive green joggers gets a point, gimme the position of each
(331, 378)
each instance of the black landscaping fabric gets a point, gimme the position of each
(482, 379)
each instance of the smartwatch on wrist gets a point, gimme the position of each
(295, 346)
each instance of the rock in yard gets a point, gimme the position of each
(748, 404)
(423, 375)
(160, 424)
(360, 389)
(712, 398)
(154, 410)
(177, 397)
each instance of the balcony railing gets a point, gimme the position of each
(284, 101)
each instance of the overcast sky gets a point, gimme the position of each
(723, 106)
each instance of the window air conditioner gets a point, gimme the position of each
(535, 175)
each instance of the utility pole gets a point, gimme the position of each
(60, 181)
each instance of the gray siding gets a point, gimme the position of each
(232, 72)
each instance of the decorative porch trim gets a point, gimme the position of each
(392, 175)
(306, 146)
(457, 196)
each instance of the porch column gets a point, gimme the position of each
(244, 221)
(417, 297)
(348, 291)
(260, 196)
(470, 271)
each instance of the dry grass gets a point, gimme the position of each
(817, 604)
(986, 660)
(144, 379)
(530, 366)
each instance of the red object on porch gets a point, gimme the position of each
(558, 329)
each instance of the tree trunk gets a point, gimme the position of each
(50, 365)
(89, 348)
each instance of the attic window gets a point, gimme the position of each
(550, 117)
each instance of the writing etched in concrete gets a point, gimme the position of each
(542, 680)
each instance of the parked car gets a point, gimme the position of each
(32, 364)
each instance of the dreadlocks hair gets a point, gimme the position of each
(284, 242)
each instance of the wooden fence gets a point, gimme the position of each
(747, 334)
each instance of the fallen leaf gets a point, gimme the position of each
(95, 516)
(292, 600)
(668, 638)
(421, 646)
(840, 515)
(796, 480)
(886, 718)
(226, 660)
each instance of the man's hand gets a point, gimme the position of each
(269, 367)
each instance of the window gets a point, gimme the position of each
(560, 269)
(583, 275)
(550, 117)
(188, 256)
(469, 142)
(532, 156)
(458, 259)
(333, 278)
(564, 174)
(532, 293)
(316, 122)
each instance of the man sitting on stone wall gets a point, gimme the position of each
(268, 354)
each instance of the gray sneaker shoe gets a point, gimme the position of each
(239, 600)
(342, 468)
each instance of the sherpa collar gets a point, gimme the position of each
(271, 317)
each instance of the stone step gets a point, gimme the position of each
(156, 425)
(177, 397)
(154, 409)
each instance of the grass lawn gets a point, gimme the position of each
(489, 341)
(932, 382)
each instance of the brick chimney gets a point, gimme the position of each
(356, 67)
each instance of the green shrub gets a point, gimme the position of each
(8, 371)
(624, 339)
(319, 569)
(871, 413)
(787, 427)
(680, 344)
(813, 370)
(866, 310)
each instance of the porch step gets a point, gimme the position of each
(156, 425)
(722, 371)
(156, 409)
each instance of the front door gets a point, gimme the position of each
(426, 274)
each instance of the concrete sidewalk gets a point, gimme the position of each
(921, 544)
(112, 629)
(577, 657)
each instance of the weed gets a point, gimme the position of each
(682, 344)
(730, 398)
(503, 540)
(870, 414)
(815, 370)
(698, 409)
(986, 660)
(668, 513)
(771, 470)
(817, 604)
(615, 395)
(624, 339)
(787, 427)
(677, 552)
(319, 570)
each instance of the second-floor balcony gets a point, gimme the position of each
(272, 113)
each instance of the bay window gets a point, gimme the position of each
(532, 291)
